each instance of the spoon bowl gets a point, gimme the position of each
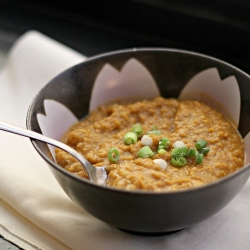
(95, 174)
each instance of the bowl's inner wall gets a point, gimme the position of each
(171, 69)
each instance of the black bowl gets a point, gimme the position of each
(142, 212)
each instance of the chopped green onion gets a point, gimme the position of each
(154, 132)
(191, 152)
(179, 152)
(198, 157)
(130, 138)
(160, 147)
(178, 161)
(137, 129)
(164, 142)
(161, 151)
(204, 151)
(145, 152)
(113, 154)
(200, 144)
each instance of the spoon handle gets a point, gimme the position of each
(31, 134)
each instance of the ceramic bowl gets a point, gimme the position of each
(142, 212)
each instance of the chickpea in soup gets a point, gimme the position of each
(159, 145)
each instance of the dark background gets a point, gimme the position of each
(220, 28)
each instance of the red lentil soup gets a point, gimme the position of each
(182, 123)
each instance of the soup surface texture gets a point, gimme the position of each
(185, 122)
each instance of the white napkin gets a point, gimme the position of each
(35, 213)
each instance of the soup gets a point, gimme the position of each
(160, 144)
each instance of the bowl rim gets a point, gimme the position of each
(126, 191)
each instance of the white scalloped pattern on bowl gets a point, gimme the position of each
(222, 95)
(57, 120)
(134, 81)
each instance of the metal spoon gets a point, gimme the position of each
(96, 174)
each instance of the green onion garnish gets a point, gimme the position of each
(161, 151)
(164, 142)
(137, 129)
(130, 138)
(200, 144)
(113, 154)
(154, 131)
(191, 152)
(179, 152)
(198, 157)
(204, 151)
(145, 152)
(160, 147)
(178, 161)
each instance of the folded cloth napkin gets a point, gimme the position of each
(35, 213)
